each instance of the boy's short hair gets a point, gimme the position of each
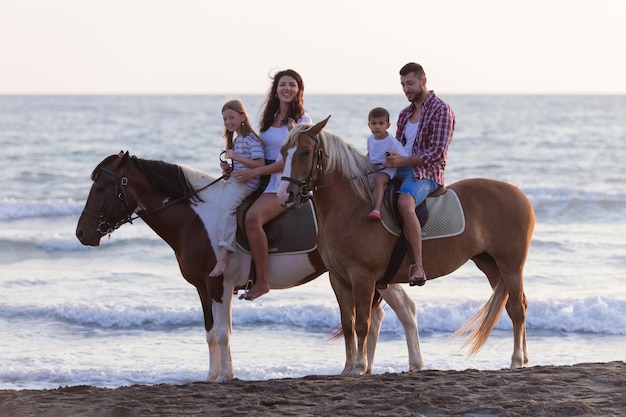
(378, 112)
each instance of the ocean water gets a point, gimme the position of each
(122, 314)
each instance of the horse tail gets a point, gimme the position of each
(482, 323)
(338, 332)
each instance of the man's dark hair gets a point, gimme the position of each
(413, 67)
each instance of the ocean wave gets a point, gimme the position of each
(69, 243)
(22, 243)
(596, 315)
(52, 377)
(14, 209)
(564, 205)
(109, 316)
(560, 204)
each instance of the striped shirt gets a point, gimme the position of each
(436, 127)
(249, 147)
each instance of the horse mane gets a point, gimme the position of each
(165, 178)
(342, 157)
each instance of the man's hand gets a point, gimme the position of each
(393, 160)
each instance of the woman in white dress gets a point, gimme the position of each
(284, 105)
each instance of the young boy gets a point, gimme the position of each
(379, 144)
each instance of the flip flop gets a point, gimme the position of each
(418, 280)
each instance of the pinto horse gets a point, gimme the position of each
(499, 224)
(178, 203)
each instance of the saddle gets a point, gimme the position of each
(294, 231)
(440, 215)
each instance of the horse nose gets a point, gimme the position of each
(79, 233)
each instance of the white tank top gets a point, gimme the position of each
(410, 133)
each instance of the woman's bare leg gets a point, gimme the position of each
(264, 209)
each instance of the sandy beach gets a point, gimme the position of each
(589, 389)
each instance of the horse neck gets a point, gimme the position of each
(171, 223)
(171, 220)
(335, 199)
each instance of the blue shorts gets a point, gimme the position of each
(418, 188)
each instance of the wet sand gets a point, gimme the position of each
(593, 389)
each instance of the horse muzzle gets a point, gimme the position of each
(88, 239)
(89, 230)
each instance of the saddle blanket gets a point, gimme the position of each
(445, 217)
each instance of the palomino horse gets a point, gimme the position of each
(499, 225)
(177, 203)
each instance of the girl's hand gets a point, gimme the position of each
(230, 154)
(226, 169)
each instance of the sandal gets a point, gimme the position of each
(375, 215)
(415, 278)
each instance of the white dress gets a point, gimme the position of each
(273, 138)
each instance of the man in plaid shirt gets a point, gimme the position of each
(425, 129)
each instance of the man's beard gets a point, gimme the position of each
(417, 95)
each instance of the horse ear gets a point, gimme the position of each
(314, 130)
(124, 157)
(290, 124)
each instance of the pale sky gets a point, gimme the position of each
(338, 46)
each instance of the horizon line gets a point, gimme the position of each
(307, 94)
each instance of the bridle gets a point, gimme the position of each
(104, 225)
(106, 228)
(306, 189)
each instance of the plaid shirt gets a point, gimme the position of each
(434, 135)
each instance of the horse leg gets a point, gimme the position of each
(516, 307)
(363, 296)
(346, 309)
(378, 314)
(222, 312)
(516, 304)
(214, 356)
(524, 344)
(406, 311)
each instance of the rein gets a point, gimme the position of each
(305, 185)
(123, 181)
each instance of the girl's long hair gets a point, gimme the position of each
(244, 130)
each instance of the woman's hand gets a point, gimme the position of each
(244, 175)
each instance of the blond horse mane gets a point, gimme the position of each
(342, 157)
